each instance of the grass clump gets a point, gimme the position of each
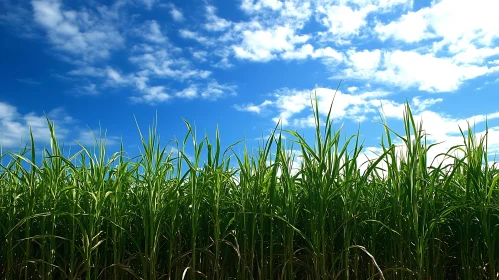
(252, 215)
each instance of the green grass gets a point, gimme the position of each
(165, 215)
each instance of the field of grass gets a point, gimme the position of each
(226, 215)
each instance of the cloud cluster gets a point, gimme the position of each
(448, 37)
(88, 37)
(386, 42)
(15, 128)
(410, 69)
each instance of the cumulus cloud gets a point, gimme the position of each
(447, 21)
(462, 31)
(263, 45)
(407, 69)
(345, 19)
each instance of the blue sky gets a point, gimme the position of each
(244, 65)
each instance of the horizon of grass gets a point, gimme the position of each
(165, 215)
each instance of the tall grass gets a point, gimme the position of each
(220, 214)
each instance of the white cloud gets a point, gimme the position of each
(465, 52)
(275, 29)
(363, 64)
(116, 78)
(28, 81)
(410, 28)
(88, 71)
(86, 34)
(188, 93)
(200, 55)
(89, 89)
(392, 109)
(160, 63)
(7, 112)
(91, 137)
(215, 23)
(152, 95)
(158, 94)
(445, 130)
(293, 107)
(345, 19)
(252, 6)
(389, 108)
(193, 35)
(263, 45)
(176, 14)
(15, 127)
(423, 104)
(151, 31)
(253, 108)
(15, 17)
(148, 3)
(294, 13)
(149, 94)
(465, 31)
(214, 90)
(307, 50)
(425, 71)
(450, 21)
(407, 69)
(224, 63)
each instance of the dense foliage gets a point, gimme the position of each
(226, 215)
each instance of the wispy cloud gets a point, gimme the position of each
(85, 33)
(386, 43)
(193, 35)
(213, 22)
(28, 81)
(254, 108)
(214, 90)
(175, 13)
(14, 16)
